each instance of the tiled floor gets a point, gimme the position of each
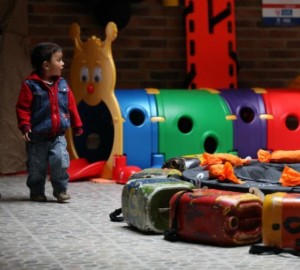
(80, 235)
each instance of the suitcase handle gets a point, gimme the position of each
(115, 215)
(269, 250)
(171, 234)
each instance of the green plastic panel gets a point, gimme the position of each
(194, 122)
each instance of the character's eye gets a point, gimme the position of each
(84, 74)
(97, 74)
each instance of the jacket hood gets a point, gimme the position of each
(36, 77)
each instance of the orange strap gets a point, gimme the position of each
(289, 177)
(224, 172)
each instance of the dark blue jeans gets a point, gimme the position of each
(44, 154)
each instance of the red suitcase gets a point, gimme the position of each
(209, 216)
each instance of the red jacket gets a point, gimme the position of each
(47, 110)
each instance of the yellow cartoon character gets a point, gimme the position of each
(93, 78)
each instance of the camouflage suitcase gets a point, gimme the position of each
(145, 202)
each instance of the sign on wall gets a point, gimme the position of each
(281, 12)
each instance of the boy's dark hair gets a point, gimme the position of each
(43, 52)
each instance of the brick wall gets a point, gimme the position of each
(269, 56)
(150, 50)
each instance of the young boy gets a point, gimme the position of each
(45, 109)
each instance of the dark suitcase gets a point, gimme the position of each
(157, 173)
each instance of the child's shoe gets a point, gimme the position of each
(38, 197)
(62, 196)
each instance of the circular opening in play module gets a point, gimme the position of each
(185, 124)
(247, 114)
(137, 117)
(93, 141)
(292, 122)
(210, 145)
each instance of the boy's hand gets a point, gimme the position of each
(77, 131)
(26, 136)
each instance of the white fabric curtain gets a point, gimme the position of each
(14, 67)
